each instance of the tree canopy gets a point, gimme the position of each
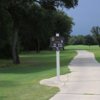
(39, 19)
(54, 4)
(96, 33)
(82, 40)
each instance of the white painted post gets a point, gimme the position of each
(58, 64)
(58, 60)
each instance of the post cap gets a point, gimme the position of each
(57, 34)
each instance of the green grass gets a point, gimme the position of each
(21, 82)
(82, 47)
(94, 48)
(96, 52)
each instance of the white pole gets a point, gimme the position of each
(58, 64)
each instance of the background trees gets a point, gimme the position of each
(5, 31)
(96, 33)
(13, 13)
(37, 36)
(82, 40)
(30, 23)
(53, 4)
(90, 39)
(76, 40)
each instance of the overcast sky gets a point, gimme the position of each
(85, 15)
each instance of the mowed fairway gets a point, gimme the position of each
(21, 82)
(95, 49)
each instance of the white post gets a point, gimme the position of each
(58, 64)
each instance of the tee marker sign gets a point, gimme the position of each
(57, 43)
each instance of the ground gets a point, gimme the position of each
(82, 83)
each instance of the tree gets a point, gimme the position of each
(5, 31)
(76, 40)
(54, 4)
(41, 26)
(15, 10)
(96, 33)
(63, 25)
(19, 9)
(89, 40)
(82, 39)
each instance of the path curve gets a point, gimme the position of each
(83, 83)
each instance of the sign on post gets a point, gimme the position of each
(57, 43)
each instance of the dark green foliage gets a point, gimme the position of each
(53, 4)
(96, 33)
(82, 40)
(89, 40)
(41, 26)
(5, 31)
(34, 22)
(76, 40)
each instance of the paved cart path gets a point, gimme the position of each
(83, 83)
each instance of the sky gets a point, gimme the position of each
(85, 16)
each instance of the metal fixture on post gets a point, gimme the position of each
(57, 43)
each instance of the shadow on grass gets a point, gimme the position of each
(3, 97)
(5, 84)
(24, 69)
(28, 65)
(34, 65)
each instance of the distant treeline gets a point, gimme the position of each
(81, 39)
(28, 25)
(91, 39)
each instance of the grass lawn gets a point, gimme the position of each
(21, 82)
(82, 47)
(95, 49)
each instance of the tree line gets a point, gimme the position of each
(29, 24)
(91, 39)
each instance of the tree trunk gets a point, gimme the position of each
(15, 48)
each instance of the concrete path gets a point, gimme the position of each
(83, 83)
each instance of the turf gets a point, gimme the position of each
(21, 82)
(94, 48)
(82, 47)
